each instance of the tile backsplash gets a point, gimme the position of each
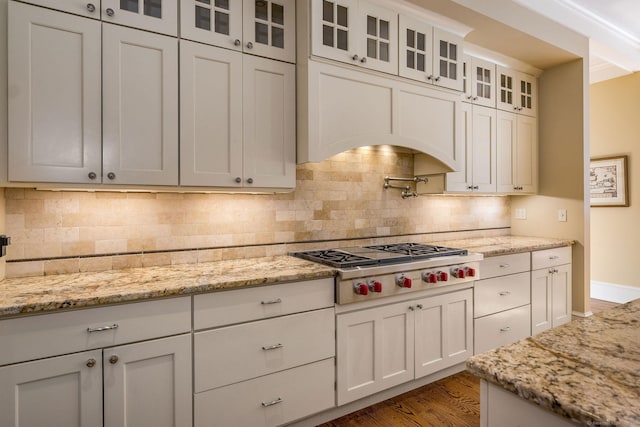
(341, 198)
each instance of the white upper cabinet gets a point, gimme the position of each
(236, 126)
(429, 54)
(356, 32)
(479, 81)
(516, 92)
(517, 153)
(91, 102)
(159, 16)
(263, 27)
(55, 130)
(140, 109)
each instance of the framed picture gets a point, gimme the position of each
(608, 182)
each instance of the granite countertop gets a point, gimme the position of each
(587, 370)
(49, 293)
(503, 245)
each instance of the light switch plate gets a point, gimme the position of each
(562, 215)
(521, 213)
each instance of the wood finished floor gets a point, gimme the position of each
(451, 402)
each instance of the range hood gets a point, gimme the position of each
(341, 108)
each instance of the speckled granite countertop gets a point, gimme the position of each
(587, 370)
(48, 293)
(502, 245)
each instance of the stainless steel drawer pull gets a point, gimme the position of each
(505, 329)
(272, 347)
(504, 293)
(504, 266)
(273, 402)
(103, 328)
(273, 301)
(554, 257)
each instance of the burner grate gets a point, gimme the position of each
(418, 250)
(336, 258)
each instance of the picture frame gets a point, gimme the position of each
(608, 182)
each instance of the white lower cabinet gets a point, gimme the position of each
(268, 355)
(550, 288)
(384, 346)
(502, 301)
(146, 383)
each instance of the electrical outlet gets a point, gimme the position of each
(562, 215)
(521, 213)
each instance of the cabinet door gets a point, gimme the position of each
(447, 59)
(269, 102)
(63, 391)
(528, 95)
(270, 28)
(561, 298)
(506, 89)
(333, 33)
(463, 179)
(525, 156)
(484, 149)
(210, 116)
(443, 331)
(54, 103)
(541, 297)
(483, 75)
(416, 44)
(148, 383)
(506, 151)
(374, 350)
(140, 107)
(217, 23)
(159, 16)
(377, 38)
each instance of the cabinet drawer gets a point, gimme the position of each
(242, 305)
(501, 293)
(270, 400)
(262, 347)
(502, 328)
(505, 264)
(32, 337)
(550, 257)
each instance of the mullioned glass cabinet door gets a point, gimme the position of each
(270, 29)
(159, 16)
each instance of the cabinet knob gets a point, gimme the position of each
(91, 7)
(114, 359)
(109, 11)
(249, 180)
(469, 187)
(237, 42)
(419, 306)
(437, 79)
(92, 175)
(475, 98)
(412, 308)
(475, 187)
(111, 175)
(430, 77)
(238, 179)
(355, 57)
(363, 60)
(91, 363)
(249, 45)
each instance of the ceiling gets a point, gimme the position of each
(612, 26)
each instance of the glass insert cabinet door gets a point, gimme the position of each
(448, 57)
(260, 27)
(416, 49)
(269, 28)
(333, 35)
(154, 15)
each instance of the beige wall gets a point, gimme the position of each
(341, 198)
(615, 130)
(563, 144)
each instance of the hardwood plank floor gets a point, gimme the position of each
(452, 402)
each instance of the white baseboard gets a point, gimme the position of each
(614, 292)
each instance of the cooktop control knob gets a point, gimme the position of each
(458, 272)
(471, 272)
(403, 281)
(361, 288)
(443, 276)
(430, 277)
(375, 286)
